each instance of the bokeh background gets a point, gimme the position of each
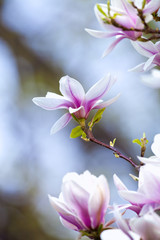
(41, 41)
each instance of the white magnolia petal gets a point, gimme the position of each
(133, 197)
(72, 90)
(119, 184)
(73, 110)
(101, 34)
(146, 49)
(149, 181)
(77, 199)
(148, 18)
(149, 63)
(138, 68)
(147, 226)
(52, 103)
(68, 224)
(152, 6)
(58, 205)
(106, 103)
(98, 202)
(125, 6)
(151, 160)
(61, 123)
(65, 213)
(100, 88)
(122, 224)
(54, 95)
(112, 46)
(156, 145)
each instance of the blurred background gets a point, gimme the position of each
(41, 41)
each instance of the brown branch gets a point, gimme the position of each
(119, 154)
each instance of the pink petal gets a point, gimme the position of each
(65, 212)
(98, 202)
(150, 184)
(69, 225)
(101, 34)
(138, 68)
(152, 160)
(149, 63)
(97, 91)
(61, 123)
(78, 112)
(133, 197)
(52, 103)
(72, 90)
(106, 103)
(152, 6)
(112, 46)
(120, 186)
(77, 199)
(156, 145)
(146, 49)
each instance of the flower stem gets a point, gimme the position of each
(119, 154)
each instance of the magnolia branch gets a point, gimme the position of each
(119, 154)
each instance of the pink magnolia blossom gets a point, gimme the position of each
(149, 50)
(75, 100)
(156, 150)
(146, 227)
(83, 201)
(147, 195)
(124, 14)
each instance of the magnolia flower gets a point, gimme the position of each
(125, 16)
(152, 80)
(144, 227)
(156, 150)
(147, 195)
(75, 100)
(147, 226)
(83, 201)
(149, 50)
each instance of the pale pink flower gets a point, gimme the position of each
(75, 100)
(149, 50)
(147, 195)
(144, 227)
(147, 226)
(156, 150)
(124, 14)
(83, 201)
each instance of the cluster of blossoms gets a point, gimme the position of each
(84, 200)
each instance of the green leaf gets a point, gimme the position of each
(143, 4)
(100, 10)
(97, 117)
(115, 15)
(137, 141)
(76, 132)
(113, 143)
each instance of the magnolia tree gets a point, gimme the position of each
(85, 198)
